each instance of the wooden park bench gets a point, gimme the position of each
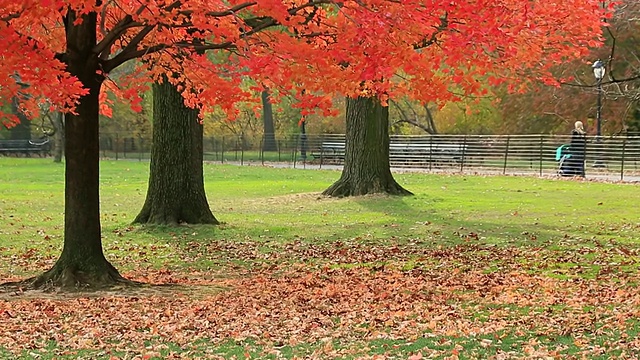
(406, 153)
(401, 153)
(25, 147)
(332, 151)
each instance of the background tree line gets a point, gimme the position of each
(543, 109)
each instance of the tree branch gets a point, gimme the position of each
(121, 27)
(408, 120)
(124, 57)
(444, 25)
(7, 18)
(131, 52)
(110, 38)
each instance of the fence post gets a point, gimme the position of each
(242, 149)
(541, 153)
(222, 151)
(303, 147)
(279, 149)
(624, 145)
(214, 144)
(506, 156)
(236, 150)
(430, 151)
(303, 150)
(262, 151)
(464, 150)
(295, 152)
(320, 141)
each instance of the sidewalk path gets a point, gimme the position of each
(597, 176)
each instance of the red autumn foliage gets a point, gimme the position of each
(430, 50)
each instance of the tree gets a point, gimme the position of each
(356, 48)
(621, 86)
(69, 67)
(456, 50)
(555, 109)
(176, 179)
(366, 168)
(409, 115)
(269, 134)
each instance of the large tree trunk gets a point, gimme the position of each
(269, 138)
(82, 262)
(176, 181)
(366, 163)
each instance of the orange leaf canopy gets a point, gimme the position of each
(428, 49)
(431, 50)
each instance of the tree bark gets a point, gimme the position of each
(176, 182)
(269, 138)
(82, 262)
(366, 164)
(58, 137)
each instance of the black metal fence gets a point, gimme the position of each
(617, 157)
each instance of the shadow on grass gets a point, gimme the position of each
(385, 204)
(365, 229)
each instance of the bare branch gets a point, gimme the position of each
(429, 129)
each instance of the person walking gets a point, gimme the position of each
(578, 149)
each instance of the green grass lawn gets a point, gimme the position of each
(469, 267)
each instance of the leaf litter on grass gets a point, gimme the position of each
(448, 297)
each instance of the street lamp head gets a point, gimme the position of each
(598, 69)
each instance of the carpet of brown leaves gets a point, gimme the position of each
(452, 295)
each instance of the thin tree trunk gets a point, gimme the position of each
(82, 262)
(429, 127)
(176, 182)
(22, 130)
(58, 137)
(269, 138)
(430, 120)
(366, 164)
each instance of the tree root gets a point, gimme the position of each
(69, 278)
(174, 215)
(344, 188)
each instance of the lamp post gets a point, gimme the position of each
(598, 72)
